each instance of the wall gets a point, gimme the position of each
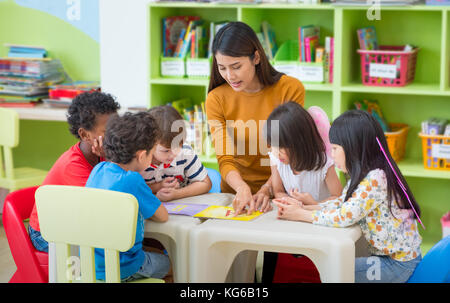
(69, 31)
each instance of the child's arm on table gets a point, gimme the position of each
(277, 184)
(160, 215)
(334, 187)
(196, 188)
(170, 182)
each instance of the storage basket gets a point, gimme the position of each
(436, 151)
(286, 60)
(172, 67)
(388, 66)
(396, 140)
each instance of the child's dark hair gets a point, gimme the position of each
(298, 134)
(85, 107)
(127, 134)
(237, 39)
(165, 117)
(356, 132)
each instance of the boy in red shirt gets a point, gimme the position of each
(87, 117)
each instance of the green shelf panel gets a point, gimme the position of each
(404, 108)
(161, 94)
(180, 81)
(286, 21)
(406, 23)
(415, 168)
(446, 51)
(411, 89)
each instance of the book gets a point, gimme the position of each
(367, 38)
(180, 43)
(310, 47)
(186, 209)
(214, 27)
(328, 59)
(172, 27)
(269, 39)
(225, 212)
(25, 51)
(306, 31)
(320, 53)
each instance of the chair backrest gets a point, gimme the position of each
(435, 265)
(9, 138)
(91, 218)
(18, 206)
(215, 177)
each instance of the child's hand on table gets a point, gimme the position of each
(170, 182)
(291, 209)
(166, 194)
(306, 198)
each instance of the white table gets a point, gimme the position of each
(215, 243)
(174, 234)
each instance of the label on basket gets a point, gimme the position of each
(172, 68)
(197, 68)
(383, 70)
(310, 73)
(288, 69)
(440, 151)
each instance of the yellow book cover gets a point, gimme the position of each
(225, 212)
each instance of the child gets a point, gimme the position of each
(176, 171)
(376, 197)
(300, 167)
(129, 145)
(87, 117)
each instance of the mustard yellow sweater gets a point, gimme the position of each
(246, 114)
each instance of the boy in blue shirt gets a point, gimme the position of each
(129, 145)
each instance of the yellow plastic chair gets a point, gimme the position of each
(14, 178)
(90, 218)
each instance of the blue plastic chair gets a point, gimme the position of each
(435, 266)
(215, 177)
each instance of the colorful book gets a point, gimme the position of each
(180, 43)
(172, 27)
(310, 47)
(367, 38)
(329, 59)
(185, 209)
(306, 31)
(269, 39)
(320, 53)
(225, 212)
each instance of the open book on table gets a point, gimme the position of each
(207, 211)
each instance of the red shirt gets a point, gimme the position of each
(71, 168)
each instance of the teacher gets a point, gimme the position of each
(243, 90)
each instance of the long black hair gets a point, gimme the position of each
(298, 134)
(356, 132)
(237, 39)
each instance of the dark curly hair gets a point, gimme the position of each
(85, 107)
(127, 134)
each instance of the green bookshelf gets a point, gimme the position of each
(427, 27)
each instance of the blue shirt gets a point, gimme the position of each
(108, 175)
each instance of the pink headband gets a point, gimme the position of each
(400, 182)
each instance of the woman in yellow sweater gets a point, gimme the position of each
(243, 90)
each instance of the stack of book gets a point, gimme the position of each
(311, 51)
(26, 51)
(61, 95)
(26, 81)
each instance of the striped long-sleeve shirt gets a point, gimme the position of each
(388, 233)
(186, 167)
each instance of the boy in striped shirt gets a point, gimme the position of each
(176, 171)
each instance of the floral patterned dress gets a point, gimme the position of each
(388, 233)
